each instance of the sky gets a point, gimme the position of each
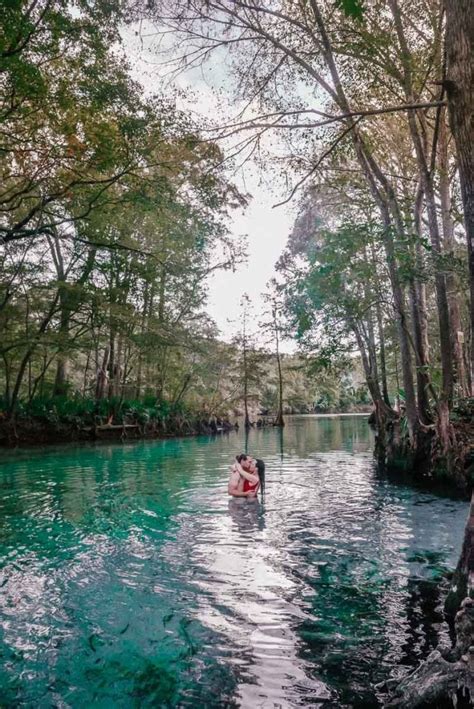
(207, 93)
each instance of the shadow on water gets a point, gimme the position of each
(130, 579)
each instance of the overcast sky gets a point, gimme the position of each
(207, 93)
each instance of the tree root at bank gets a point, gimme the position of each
(433, 455)
(446, 677)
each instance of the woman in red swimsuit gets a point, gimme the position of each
(251, 476)
(251, 486)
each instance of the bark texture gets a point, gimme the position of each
(460, 91)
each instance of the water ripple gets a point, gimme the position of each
(129, 578)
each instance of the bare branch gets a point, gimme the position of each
(319, 161)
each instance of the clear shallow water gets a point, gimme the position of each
(130, 579)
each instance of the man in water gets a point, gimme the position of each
(246, 477)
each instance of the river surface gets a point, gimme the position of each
(130, 579)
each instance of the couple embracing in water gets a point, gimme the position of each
(247, 476)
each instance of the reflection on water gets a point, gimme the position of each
(129, 578)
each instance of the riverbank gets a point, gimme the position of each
(429, 461)
(62, 420)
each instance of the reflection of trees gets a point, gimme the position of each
(311, 434)
(422, 600)
(281, 441)
(76, 478)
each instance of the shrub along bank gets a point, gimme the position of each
(50, 420)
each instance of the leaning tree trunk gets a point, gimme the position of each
(383, 412)
(460, 91)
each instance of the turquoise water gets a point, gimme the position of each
(130, 579)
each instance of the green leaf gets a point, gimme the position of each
(352, 8)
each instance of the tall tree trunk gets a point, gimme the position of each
(162, 362)
(440, 282)
(69, 301)
(457, 335)
(280, 421)
(411, 408)
(397, 382)
(163, 350)
(372, 349)
(246, 392)
(382, 411)
(244, 305)
(422, 378)
(110, 392)
(419, 317)
(426, 180)
(380, 329)
(383, 359)
(26, 357)
(7, 379)
(384, 197)
(86, 372)
(62, 359)
(460, 91)
(41, 382)
(422, 305)
(101, 379)
(138, 386)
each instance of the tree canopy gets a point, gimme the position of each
(115, 204)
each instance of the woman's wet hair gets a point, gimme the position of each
(261, 473)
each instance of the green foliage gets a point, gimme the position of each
(352, 8)
(464, 410)
(115, 211)
(114, 214)
(85, 412)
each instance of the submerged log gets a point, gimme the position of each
(446, 677)
(119, 430)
